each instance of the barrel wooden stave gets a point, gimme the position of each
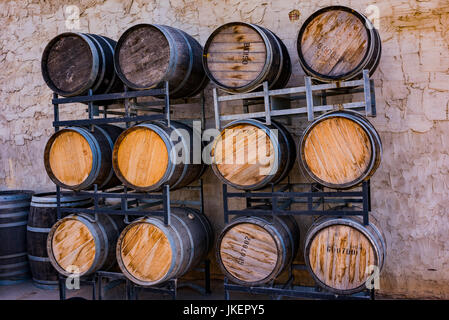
(150, 146)
(239, 56)
(338, 43)
(76, 158)
(43, 215)
(14, 210)
(84, 241)
(149, 54)
(243, 168)
(150, 252)
(73, 63)
(255, 250)
(340, 149)
(340, 250)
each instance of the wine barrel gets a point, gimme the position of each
(43, 215)
(238, 57)
(73, 63)
(338, 43)
(339, 253)
(150, 155)
(248, 154)
(76, 158)
(14, 209)
(255, 250)
(150, 252)
(83, 244)
(340, 149)
(147, 55)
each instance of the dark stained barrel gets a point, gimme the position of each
(338, 43)
(73, 63)
(43, 215)
(83, 244)
(14, 209)
(150, 252)
(341, 253)
(147, 55)
(238, 57)
(255, 250)
(248, 154)
(340, 149)
(76, 158)
(150, 155)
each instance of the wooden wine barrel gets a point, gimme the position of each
(238, 57)
(150, 252)
(76, 158)
(150, 155)
(73, 63)
(147, 55)
(14, 209)
(255, 250)
(83, 244)
(338, 43)
(248, 154)
(42, 217)
(339, 252)
(340, 149)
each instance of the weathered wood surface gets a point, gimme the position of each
(244, 154)
(70, 158)
(69, 63)
(73, 245)
(248, 252)
(338, 150)
(142, 157)
(146, 252)
(334, 43)
(144, 56)
(342, 253)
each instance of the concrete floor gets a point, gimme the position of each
(27, 291)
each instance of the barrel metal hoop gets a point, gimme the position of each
(38, 259)
(13, 265)
(96, 156)
(114, 74)
(189, 71)
(192, 245)
(38, 230)
(111, 144)
(12, 256)
(100, 77)
(13, 215)
(15, 195)
(13, 224)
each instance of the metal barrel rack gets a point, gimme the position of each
(281, 197)
(105, 109)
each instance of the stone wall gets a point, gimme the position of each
(411, 188)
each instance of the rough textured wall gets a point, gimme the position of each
(411, 188)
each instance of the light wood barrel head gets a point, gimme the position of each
(236, 55)
(144, 56)
(338, 150)
(70, 158)
(69, 63)
(73, 245)
(142, 157)
(334, 43)
(339, 256)
(244, 154)
(146, 252)
(248, 252)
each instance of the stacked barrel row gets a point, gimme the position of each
(338, 150)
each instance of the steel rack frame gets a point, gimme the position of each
(168, 288)
(100, 108)
(277, 103)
